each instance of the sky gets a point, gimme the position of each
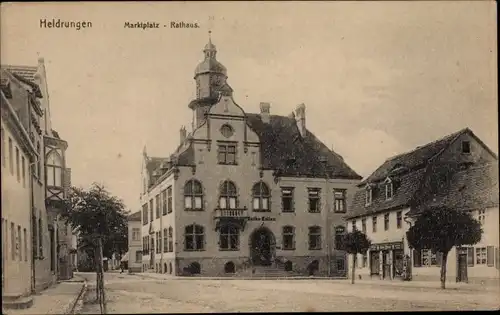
(377, 78)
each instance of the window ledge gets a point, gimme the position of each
(314, 248)
(337, 211)
(194, 210)
(256, 210)
(288, 248)
(314, 211)
(287, 211)
(194, 250)
(229, 249)
(228, 164)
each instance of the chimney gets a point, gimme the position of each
(300, 118)
(265, 109)
(183, 134)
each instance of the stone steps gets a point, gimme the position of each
(20, 302)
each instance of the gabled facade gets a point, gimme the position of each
(51, 238)
(459, 171)
(134, 242)
(243, 190)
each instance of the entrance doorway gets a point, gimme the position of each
(386, 257)
(374, 263)
(262, 246)
(462, 268)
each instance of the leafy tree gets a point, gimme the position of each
(355, 243)
(440, 229)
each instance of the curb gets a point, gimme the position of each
(71, 308)
(238, 278)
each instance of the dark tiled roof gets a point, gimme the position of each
(470, 189)
(283, 149)
(413, 159)
(154, 163)
(136, 216)
(405, 187)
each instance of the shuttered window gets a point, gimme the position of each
(470, 256)
(490, 256)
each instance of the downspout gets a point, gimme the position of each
(34, 248)
(406, 219)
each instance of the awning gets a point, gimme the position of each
(125, 257)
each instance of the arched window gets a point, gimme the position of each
(54, 169)
(193, 195)
(260, 193)
(339, 237)
(389, 189)
(314, 237)
(288, 237)
(170, 239)
(229, 238)
(194, 238)
(228, 198)
(368, 195)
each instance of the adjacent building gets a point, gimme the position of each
(25, 89)
(243, 191)
(458, 171)
(134, 254)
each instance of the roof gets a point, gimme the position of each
(415, 158)
(136, 216)
(27, 72)
(473, 188)
(284, 149)
(405, 187)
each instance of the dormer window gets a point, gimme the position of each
(369, 195)
(466, 147)
(389, 189)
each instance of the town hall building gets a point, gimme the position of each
(244, 193)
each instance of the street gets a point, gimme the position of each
(138, 294)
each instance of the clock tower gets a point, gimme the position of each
(210, 76)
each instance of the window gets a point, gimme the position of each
(229, 238)
(465, 147)
(3, 146)
(136, 232)
(157, 202)
(314, 238)
(314, 200)
(339, 237)
(226, 131)
(39, 161)
(54, 169)
(228, 198)
(399, 219)
(151, 209)
(426, 258)
(374, 224)
(169, 199)
(25, 234)
(481, 216)
(138, 257)
(227, 154)
(353, 224)
(368, 196)
(40, 238)
(339, 199)
(18, 164)
(164, 202)
(481, 256)
(288, 238)
(287, 199)
(363, 225)
(389, 189)
(170, 239)
(23, 170)
(365, 260)
(13, 241)
(193, 195)
(194, 238)
(470, 256)
(157, 242)
(18, 243)
(11, 157)
(145, 214)
(165, 240)
(261, 195)
(386, 222)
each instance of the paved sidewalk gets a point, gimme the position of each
(58, 299)
(375, 282)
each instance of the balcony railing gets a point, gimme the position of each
(231, 213)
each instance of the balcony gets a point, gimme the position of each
(237, 217)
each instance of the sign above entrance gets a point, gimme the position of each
(264, 218)
(386, 246)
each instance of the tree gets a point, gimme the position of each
(101, 221)
(355, 243)
(440, 229)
